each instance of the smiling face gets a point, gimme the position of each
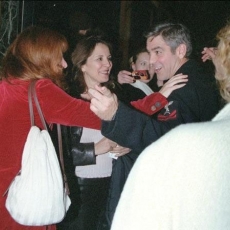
(97, 68)
(164, 62)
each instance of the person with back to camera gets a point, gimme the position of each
(182, 180)
(169, 46)
(36, 54)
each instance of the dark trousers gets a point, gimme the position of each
(93, 197)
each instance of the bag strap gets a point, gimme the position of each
(62, 159)
(32, 94)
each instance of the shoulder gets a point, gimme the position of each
(184, 147)
(187, 139)
(48, 91)
(47, 85)
(44, 83)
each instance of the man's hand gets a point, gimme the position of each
(103, 103)
(173, 83)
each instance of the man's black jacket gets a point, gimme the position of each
(197, 101)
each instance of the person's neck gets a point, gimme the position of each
(91, 83)
(183, 61)
(85, 96)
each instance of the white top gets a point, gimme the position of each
(181, 182)
(103, 166)
(142, 86)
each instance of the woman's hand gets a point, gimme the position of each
(104, 146)
(211, 54)
(175, 82)
(125, 77)
(208, 53)
(103, 103)
(120, 151)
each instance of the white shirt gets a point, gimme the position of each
(103, 166)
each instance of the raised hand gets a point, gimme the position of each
(211, 54)
(208, 53)
(103, 103)
(175, 82)
(124, 77)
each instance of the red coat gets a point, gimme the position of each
(57, 107)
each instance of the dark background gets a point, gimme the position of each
(105, 14)
(203, 18)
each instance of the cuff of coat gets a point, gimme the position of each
(85, 157)
(151, 104)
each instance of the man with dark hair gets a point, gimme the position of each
(169, 46)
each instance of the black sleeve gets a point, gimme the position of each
(133, 129)
(82, 153)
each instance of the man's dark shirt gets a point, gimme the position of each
(197, 101)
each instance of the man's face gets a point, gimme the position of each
(164, 62)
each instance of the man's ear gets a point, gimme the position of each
(181, 51)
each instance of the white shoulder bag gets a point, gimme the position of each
(37, 195)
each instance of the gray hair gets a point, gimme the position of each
(173, 34)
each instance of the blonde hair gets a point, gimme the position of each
(223, 57)
(36, 53)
